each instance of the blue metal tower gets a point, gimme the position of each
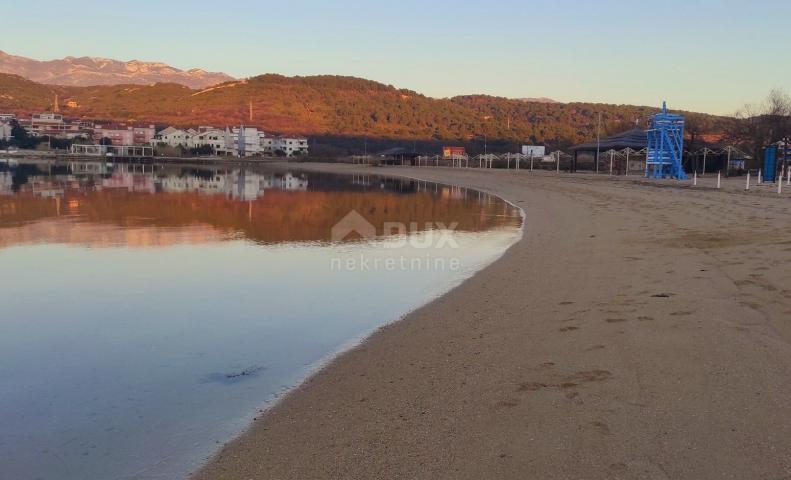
(665, 146)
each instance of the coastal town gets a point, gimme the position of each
(100, 138)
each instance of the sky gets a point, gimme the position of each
(702, 55)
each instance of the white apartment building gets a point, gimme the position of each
(213, 137)
(52, 124)
(172, 137)
(287, 145)
(268, 145)
(226, 142)
(249, 145)
(290, 145)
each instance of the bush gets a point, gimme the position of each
(21, 138)
(202, 150)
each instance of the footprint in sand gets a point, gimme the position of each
(508, 403)
(568, 382)
(601, 427)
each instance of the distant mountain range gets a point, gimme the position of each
(92, 71)
(89, 71)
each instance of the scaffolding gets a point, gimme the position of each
(665, 151)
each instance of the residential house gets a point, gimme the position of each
(123, 134)
(53, 125)
(290, 146)
(213, 137)
(172, 137)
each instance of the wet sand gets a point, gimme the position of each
(616, 340)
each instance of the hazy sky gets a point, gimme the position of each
(704, 55)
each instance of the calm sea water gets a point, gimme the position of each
(148, 313)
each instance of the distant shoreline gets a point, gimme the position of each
(50, 156)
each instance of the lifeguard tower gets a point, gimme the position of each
(665, 146)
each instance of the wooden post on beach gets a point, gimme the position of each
(719, 179)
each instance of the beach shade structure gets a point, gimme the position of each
(633, 141)
(665, 150)
(398, 156)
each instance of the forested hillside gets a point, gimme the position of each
(335, 107)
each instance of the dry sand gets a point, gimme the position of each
(617, 340)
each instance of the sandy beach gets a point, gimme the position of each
(638, 330)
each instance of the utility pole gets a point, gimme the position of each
(705, 154)
(598, 142)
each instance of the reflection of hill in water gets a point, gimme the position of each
(120, 217)
(69, 231)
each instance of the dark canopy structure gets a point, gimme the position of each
(635, 139)
(398, 156)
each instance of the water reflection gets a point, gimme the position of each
(93, 204)
(148, 314)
